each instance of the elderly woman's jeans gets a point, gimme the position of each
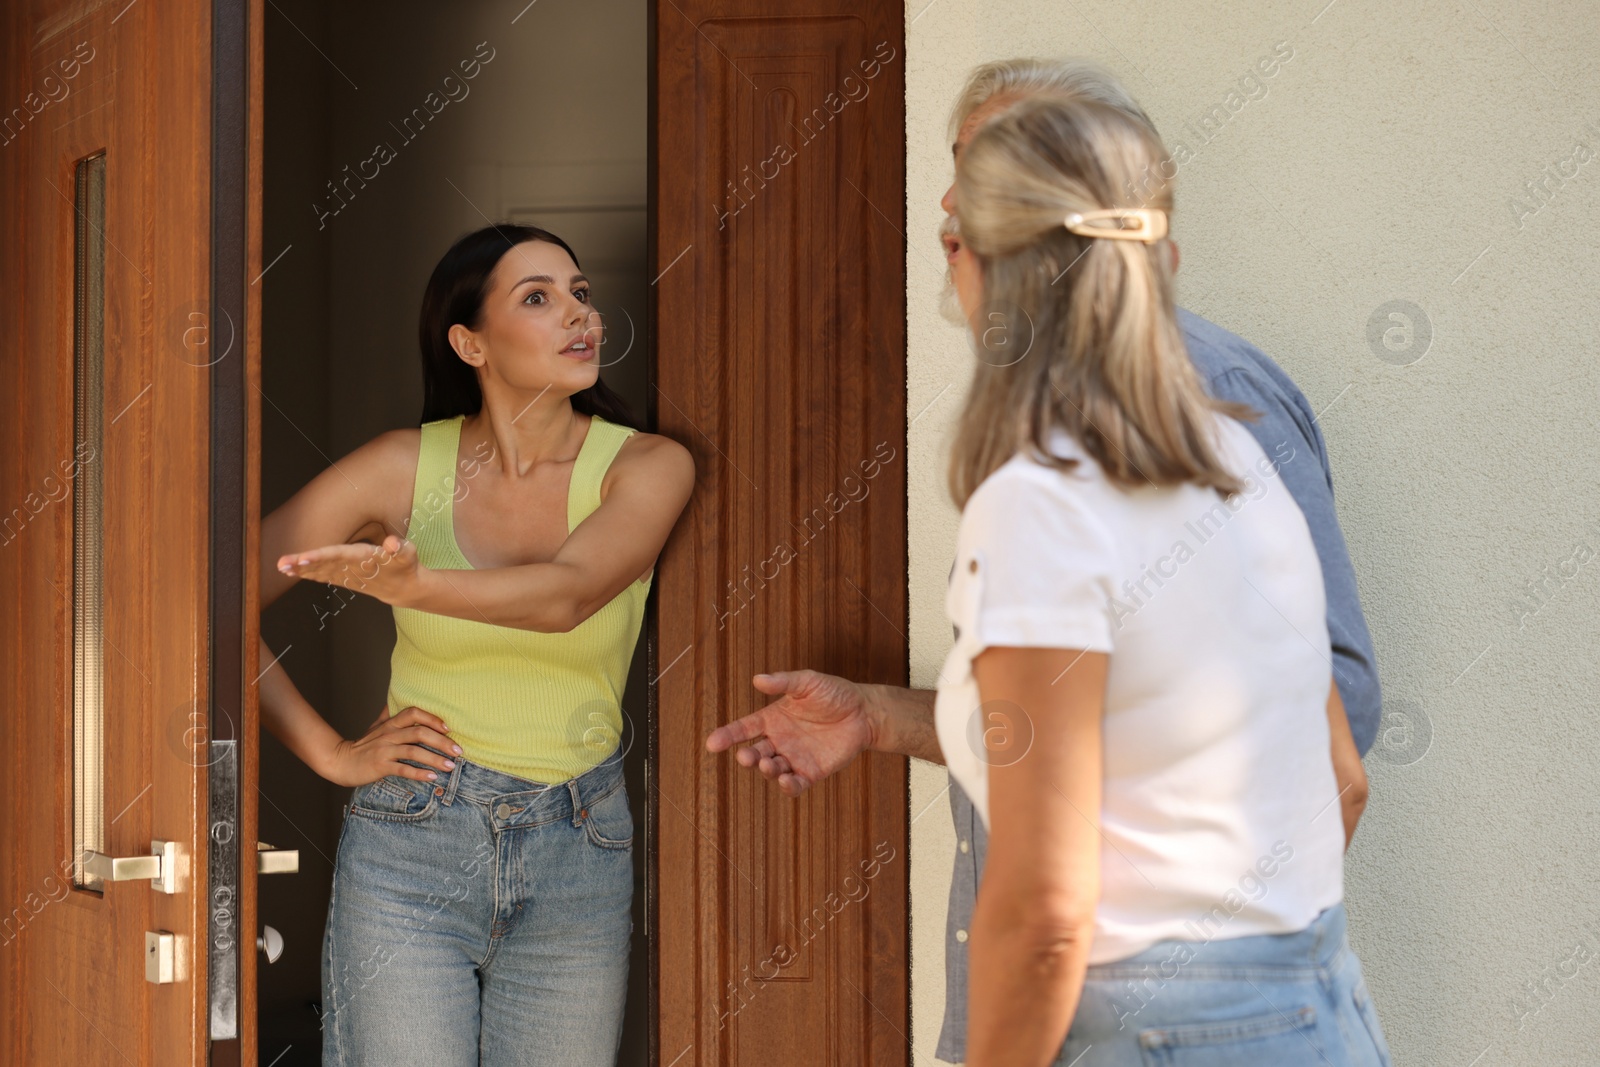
(1273, 1000)
(480, 919)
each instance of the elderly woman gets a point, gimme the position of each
(1139, 699)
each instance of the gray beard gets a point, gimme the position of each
(949, 302)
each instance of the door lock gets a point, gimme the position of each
(160, 867)
(160, 957)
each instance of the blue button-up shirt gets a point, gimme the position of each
(1233, 369)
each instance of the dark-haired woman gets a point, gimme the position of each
(481, 902)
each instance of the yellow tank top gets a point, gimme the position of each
(542, 706)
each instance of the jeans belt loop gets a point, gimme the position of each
(452, 781)
(578, 811)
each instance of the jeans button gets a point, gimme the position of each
(503, 811)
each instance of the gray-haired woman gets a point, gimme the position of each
(1139, 700)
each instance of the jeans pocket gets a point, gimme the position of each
(1278, 1039)
(395, 799)
(1369, 1016)
(609, 822)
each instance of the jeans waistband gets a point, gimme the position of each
(1313, 948)
(521, 801)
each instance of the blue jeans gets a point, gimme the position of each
(480, 919)
(1273, 1000)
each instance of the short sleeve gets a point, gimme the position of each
(1036, 564)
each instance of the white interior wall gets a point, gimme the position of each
(1386, 161)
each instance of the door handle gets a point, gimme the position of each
(271, 860)
(160, 867)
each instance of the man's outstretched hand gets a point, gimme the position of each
(819, 724)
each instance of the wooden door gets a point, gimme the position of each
(779, 302)
(125, 488)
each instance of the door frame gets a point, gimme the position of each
(880, 780)
(234, 319)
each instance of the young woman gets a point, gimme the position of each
(482, 888)
(1139, 700)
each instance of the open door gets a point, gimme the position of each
(778, 196)
(128, 855)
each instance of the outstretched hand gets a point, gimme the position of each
(389, 572)
(819, 724)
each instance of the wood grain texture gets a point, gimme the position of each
(72, 985)
(250, 732)
(778, 193)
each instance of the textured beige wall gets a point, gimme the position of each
(1389, 160)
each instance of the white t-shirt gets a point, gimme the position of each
(1219, 816)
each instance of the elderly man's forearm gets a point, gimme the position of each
(902, 721)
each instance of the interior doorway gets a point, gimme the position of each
(391, 130)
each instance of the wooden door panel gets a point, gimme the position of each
(779, 195)
(131, 81)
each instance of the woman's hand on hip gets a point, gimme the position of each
(389, 572)
(389, 740)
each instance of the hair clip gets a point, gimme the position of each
(1149, 225)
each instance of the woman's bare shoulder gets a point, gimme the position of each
(380, 472)
(655, 450)
(389, 459)
(363, 495)
(653, 456)
(395, 448)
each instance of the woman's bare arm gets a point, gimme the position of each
(366, 493)
(650, 482)
(1034, 921)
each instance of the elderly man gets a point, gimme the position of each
(820, 722)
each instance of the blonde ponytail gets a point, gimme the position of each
(1105, 359)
